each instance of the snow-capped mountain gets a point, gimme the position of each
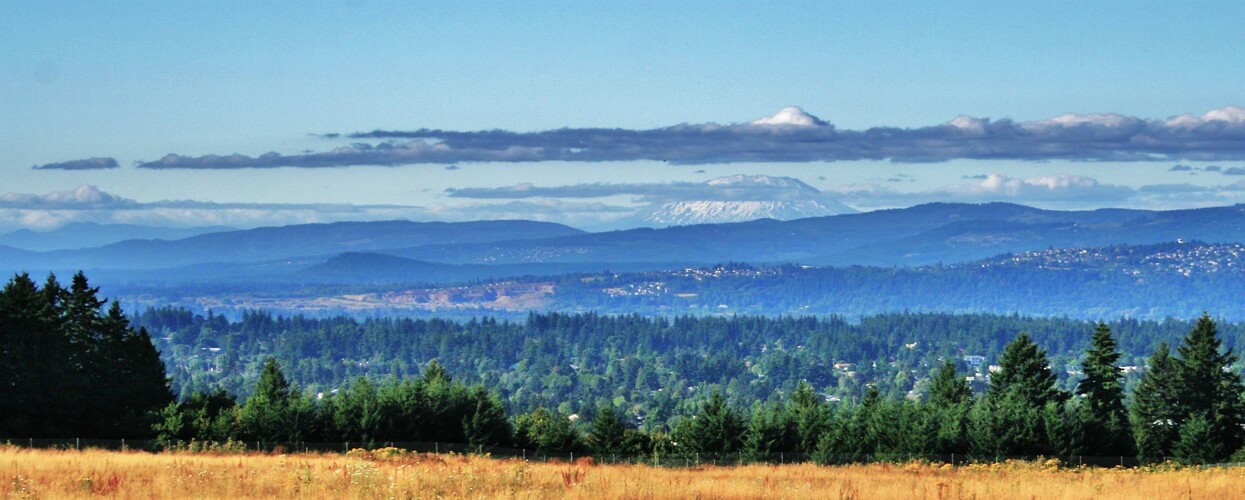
(791, 116)
(755, 182)
(739, 198)
(684, 213)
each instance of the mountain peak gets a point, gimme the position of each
(684, 213)
(790, 116)
(744, 180)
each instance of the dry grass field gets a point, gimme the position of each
(393, 474)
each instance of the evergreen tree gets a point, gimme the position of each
(1011, 422)
(608, 432)
(1065, 426)
(68, 370)
(769, 431)
(1197, 443)
(1107, 425)
(442, 406)
(876, 422)
(949, 388)
(485, 424)
(355, 413)
(950, 399)
(133, 381)
(919, 426)
(840, 443)
(203, 417)
(268, 415)
(1007, 425)
(404, 419)
(1025, 371)
(435, 373)
(716, 429)
(34, 373)
(1209, 390)
(810, 418)
(1154, 413)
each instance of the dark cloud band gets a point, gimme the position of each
(734, 188)
(790, 136)
(86, 164)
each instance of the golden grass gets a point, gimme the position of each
(393, 474)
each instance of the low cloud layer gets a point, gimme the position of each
(88, 203)
(731, 188)
(81, 198)
(1055, 191)
(87, 164)
(788, 136)
(594, 206)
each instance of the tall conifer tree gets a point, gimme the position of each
(950, 399)
(1154, 413)
(1107, 428)
(1025, 371)
(1208, 389)
(267, 414)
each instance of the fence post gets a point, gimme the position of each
(77, 444)
(436, 445)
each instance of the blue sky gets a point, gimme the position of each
(136, 81)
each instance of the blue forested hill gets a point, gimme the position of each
(920, 235)
(89, 234)
(275, 243)
(1148, 282)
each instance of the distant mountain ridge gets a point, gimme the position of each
(925, 234)
(296, 241)
(89, 234)
(1148, 281)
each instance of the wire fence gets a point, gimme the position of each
(676, 459)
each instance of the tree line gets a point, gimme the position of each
(72, 368)
(1187, 407)
(428, 408)
(653, 369)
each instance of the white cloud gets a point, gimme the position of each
(1060, 190)
(90, 204)
(1051, 187)
(1111, 120)
(1228, 115)
(83, 196)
